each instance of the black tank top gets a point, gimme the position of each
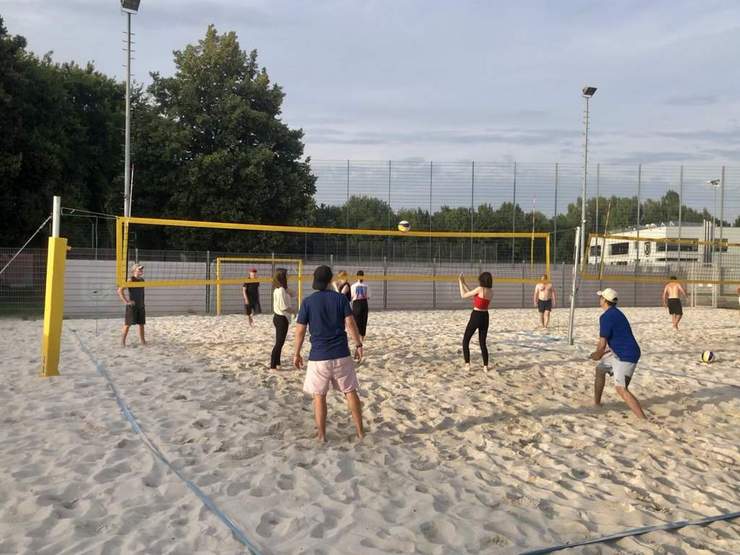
(348, 294)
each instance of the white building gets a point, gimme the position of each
(645, 245)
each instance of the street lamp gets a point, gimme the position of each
(130, 7)
(587, 93)
(714, 183)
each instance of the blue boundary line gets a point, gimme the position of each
(634, 532)
(129, 415)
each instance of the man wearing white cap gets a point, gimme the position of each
(616, 339)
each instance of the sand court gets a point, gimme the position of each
(453, 461)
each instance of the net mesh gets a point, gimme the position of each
(384, 255)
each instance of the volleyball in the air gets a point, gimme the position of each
(403, 225)
(707, 357)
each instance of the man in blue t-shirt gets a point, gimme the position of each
(615, 338)
(327, 313)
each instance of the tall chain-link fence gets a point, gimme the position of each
(437, 196)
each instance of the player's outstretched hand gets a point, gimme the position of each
(298, 361)
(595, 355)
(359, 353)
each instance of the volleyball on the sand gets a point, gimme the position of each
(708, 357)
(403, 225)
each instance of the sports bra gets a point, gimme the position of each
(480, 303)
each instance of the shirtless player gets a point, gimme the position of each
(672, 293)
(544, 299)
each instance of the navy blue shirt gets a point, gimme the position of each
(324, 313)
(614, 327)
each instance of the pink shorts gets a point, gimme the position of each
(340, 373)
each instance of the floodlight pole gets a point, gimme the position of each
(127, 147)
(587, 93)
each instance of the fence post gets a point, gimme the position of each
(208, 286)
(346, 216)
(598, 179)
(385, 282)
(680, 212)
(434, 283)
(524, 275)
(721, 220)
(555, 216)
(513, 215)
(472, 207)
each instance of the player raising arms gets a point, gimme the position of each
(482, 296)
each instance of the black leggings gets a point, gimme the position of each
(281, 332)
(478, 321)
(359, 309)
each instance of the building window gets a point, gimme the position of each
(674, 247)
(596, 251)
(620, 248)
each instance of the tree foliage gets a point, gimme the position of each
(60, 136)
(211, 146)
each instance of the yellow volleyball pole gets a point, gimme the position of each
(54, 299)
(218, 287)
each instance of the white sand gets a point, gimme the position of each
(453, 461)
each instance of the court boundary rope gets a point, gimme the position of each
(128, 414)
(634, 532)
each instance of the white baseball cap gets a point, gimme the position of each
(609, 294)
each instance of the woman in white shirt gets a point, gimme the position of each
(282, 308)
(360, 296)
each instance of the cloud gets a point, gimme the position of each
(650, 157)
(693, 100)
(321, 135)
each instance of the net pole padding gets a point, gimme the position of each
(571, 315)
(54, 297)
(120, 277)
(333, 230)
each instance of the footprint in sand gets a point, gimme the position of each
(267, 524)
(286, 482)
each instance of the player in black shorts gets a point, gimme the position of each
(135, 308)
(251, 295)
(672, 293)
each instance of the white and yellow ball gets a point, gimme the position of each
(708, 357)
(404, 226)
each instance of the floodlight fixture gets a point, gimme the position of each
(589, 91)
(130, 5)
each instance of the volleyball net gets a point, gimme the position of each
(384, 255)
(636, 258)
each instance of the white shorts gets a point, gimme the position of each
(620, 369)
(338, 373)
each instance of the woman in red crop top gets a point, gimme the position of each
(482, 296)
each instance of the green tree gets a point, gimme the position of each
(60, 136)
(222, 152)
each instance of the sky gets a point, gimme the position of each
(453, 81)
